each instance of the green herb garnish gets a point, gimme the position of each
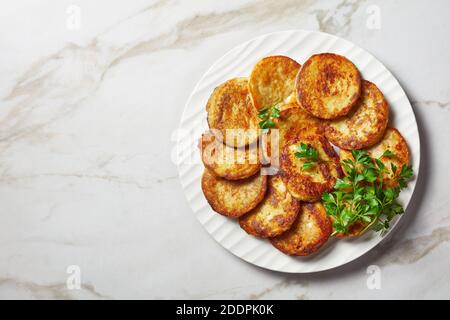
(268, 114)
(307, 152)
(361, 197)
(388, 153)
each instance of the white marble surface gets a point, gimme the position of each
(87, 114)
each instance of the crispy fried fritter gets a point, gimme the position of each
(275, 214)
(233, 198)
(227, 162)
(328, 85)
(364, 125)
(308, 233)
(231, 111)
(309, 184)
(272, 81)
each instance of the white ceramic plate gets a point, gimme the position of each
(299, 45)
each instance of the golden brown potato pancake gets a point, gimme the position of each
(294, 120)
(309, 232)
(227, 162)
(275, 214)
(364, 125)
(230, 108)
(394, 142)
(233, 198)
(272, 81)
(309, 185)
(328, 85)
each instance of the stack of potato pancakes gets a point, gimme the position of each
(323, 103)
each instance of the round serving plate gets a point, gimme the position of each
(238, 62)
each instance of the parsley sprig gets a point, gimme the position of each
(307, 152)
(268, 114)
(361, 196)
